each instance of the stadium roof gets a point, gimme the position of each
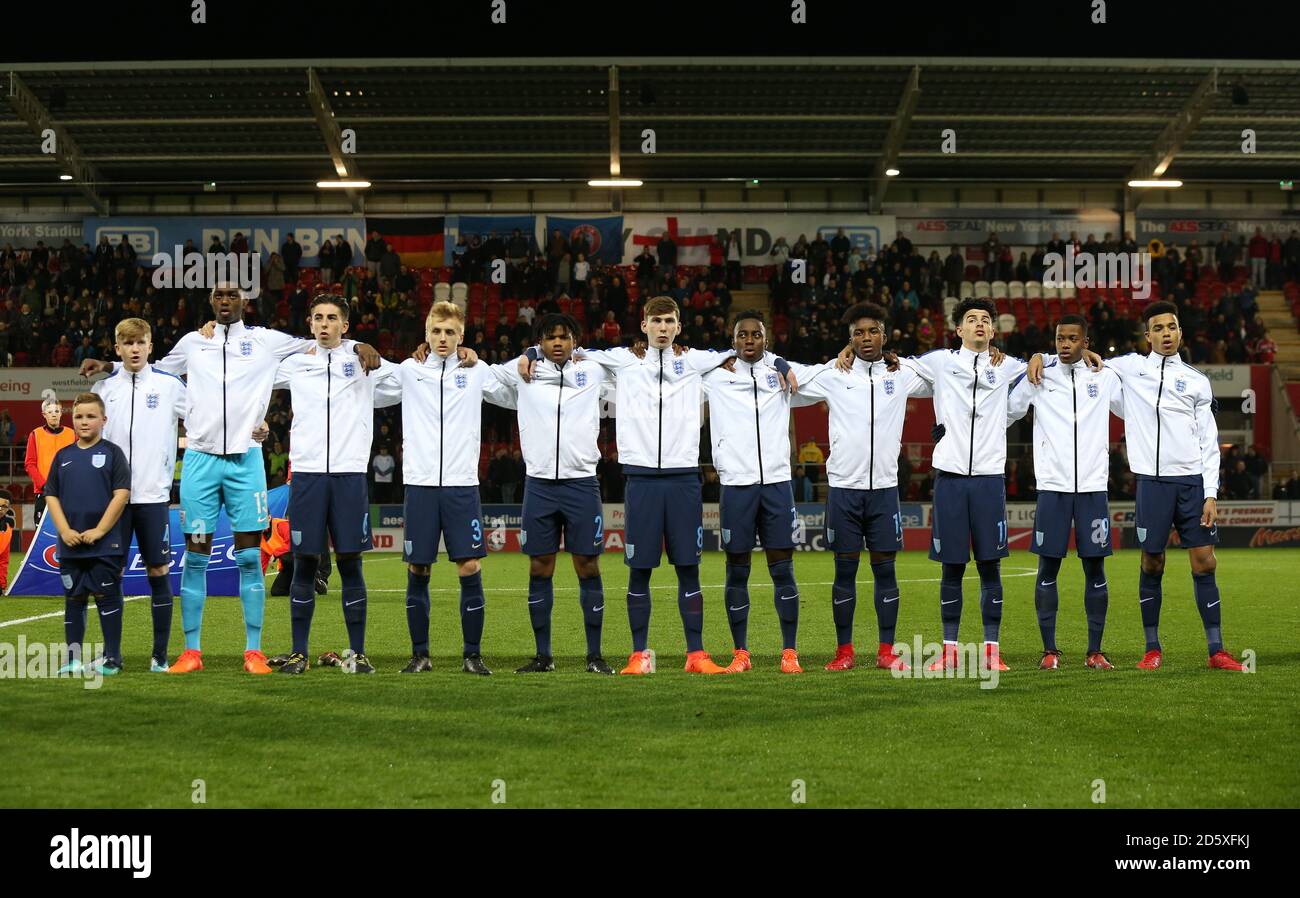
(162, 126)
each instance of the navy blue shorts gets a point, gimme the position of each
(1056, 512)
(968, 512)
(1172, 502)
(150, 523)
(662, 510)
(100, 575)
(451, 513)
(337, 503)
(763, 510)
(571, 507)
(855, 517)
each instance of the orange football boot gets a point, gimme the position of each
(639, 663)
(843, 659)
(1099, 661)
(887, 660)
(700, 662)
(739, 662)
(790, 661)
(189, 661)
(255, 662)
(1150, 661)
(1051, 660)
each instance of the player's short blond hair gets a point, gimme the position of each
(132, 329)
(661, 305)
(444, 310)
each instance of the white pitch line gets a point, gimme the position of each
(28, 620)
(1020, 572)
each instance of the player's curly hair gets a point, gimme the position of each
(551, 320)
(967, 304)
(866, 310)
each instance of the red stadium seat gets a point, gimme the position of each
(426, 276)
(511, 309)
(444, 275)
(1003, 306)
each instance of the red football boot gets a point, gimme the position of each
(947, 661)
(1221, 660)
(1150, 661)
(1051, 660)
(992, 659)
(843, 659)
(887, 660)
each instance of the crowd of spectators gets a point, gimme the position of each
(59, 306)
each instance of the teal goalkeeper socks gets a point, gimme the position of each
(252, 595)
(194, 591)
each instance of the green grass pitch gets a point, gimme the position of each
(1184, 736)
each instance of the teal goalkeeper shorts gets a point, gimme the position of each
(236, 481)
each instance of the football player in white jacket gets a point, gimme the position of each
(329, 451)
(749, 427)
(867, 406)
(1072, 406)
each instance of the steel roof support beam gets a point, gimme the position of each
(333, 135)
(33, 112)
(898, 129)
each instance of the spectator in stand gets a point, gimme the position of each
(954, 271)
(1238, 483)
(717, 256)
(1022, 267)
(615, 297)
(277, 464)
(512, 476)
(1006, 264)
(382, 467)
(517, 248)
(904, 473)
(373, 252)
(86, 350)
(1281, 490)
(325, 262)
(610, 332)
(8, 430)
(1258, 252)
(390, 263)
(735, 272)
(1256, 467)
(711, 489)
(64, 353)
(992, 250)
(1274, 271)
(274, 292)
(239, 243)
(703, 297)
(564, 274)
(581, 273)
(1291, 256)
(342, 257)
(666, 250)
(556, 249)
(810, 455)
(1225, 255)
(1265, 350)
(801, 485)
(291, 252)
